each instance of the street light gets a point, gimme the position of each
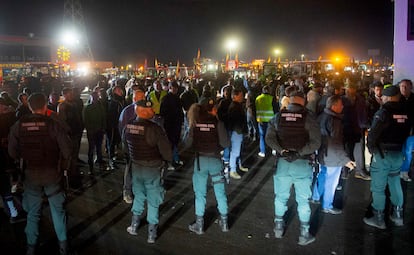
(70, 38)
(302, 57)
(232, 44)
(277, 53)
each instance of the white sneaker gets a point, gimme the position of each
(235, 175)
(261, 154)
(170, 167)
(243, 169)
(179, 163)
(405, 177)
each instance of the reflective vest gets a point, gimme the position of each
(291, 131)
(138, 148)
(156, 104)
(205, 137)
(37, 144)
(264, 108)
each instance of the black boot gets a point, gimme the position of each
(279, 227)
(134, 225)
(397, 216)
(305, 237)
(224, 226)
(63, 247)
(152, 233)
(377, 220)
(197, 226)
(31, 249)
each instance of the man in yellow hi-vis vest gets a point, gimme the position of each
(266, 107)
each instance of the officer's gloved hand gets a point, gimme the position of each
(289, 156)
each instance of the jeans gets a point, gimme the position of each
(176, 156)
(251, 124)
(95, 140)
(354, 151)
(226, 151)
(186, 127)
(209, 166)
(74, 169)
(328, 179)
(262, 135)
(386, 171)
(236, 144)
(112, 140)
(408, 154)
(298, 173)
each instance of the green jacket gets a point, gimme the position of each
(94, 117)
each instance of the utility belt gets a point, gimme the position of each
(383, 148)
(207, 154)
(295, 156)
(148, 163)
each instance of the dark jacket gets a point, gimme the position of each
(332, 152)
(46, 173)
(311, 125)
(237, 120)
(154, 137)
(222, 111)
(172, 112)
(355, 118)
(188, 98)
(390, 128)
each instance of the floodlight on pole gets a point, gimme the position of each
(231, 45)
(277, 53)
(70, 38)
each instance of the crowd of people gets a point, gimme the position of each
(309, 124)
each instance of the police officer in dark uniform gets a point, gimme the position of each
(295, 135)
(389, 130)
(41, 142)
(207, 136)
(148, 148)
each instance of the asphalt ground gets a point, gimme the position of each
(98, 218)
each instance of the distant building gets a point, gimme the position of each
(24, 52)
(403, 40)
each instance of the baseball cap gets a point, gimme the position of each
(391, 91)
(144, 103)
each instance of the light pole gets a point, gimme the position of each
(231, 44)
(277, 53)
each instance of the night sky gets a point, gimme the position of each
(126, 31)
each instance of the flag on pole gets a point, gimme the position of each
(177, 70)
(198, 54)
(268, 59)
(145, 64)
(156, 63)
(227, 57)
(236, 57)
